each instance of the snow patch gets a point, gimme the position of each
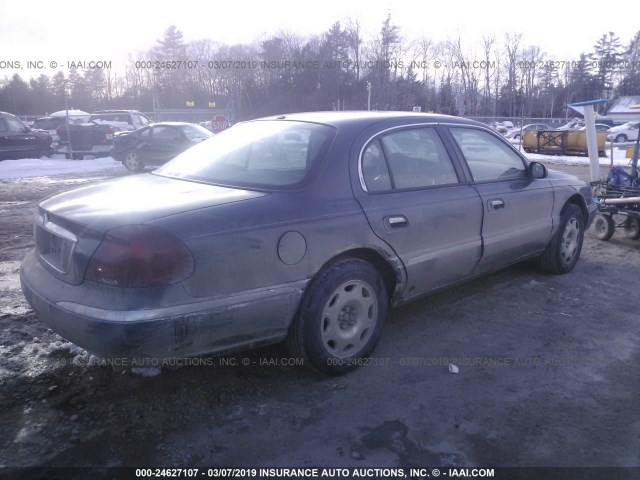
(39, 167)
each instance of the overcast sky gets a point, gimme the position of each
(110, 30)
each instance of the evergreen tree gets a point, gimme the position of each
(630, 82)
(605, 59)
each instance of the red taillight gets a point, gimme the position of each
(140, 256)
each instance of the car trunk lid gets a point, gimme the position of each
(70, 226)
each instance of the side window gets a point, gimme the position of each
(14, 124)
(3, 125)
(407, 159)
(487, 156)
(374, 168)
(165, 133)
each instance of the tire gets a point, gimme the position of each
(620, 138)
(604, 226)
(516, 136)
(133, 162)
(563, 251)
(340, 317)
(632, 228)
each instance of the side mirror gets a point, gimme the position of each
(537, 170)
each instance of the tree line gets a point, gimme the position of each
(341, 70)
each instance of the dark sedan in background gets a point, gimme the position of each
(17, 140)
(304, 227)
(156, 144)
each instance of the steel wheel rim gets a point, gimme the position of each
(131, 161)
(570, 241)
(349, 318)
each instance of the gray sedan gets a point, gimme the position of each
(304, 227)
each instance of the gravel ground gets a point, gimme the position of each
(547, 377)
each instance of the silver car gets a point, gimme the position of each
(304, 227)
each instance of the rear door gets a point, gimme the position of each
(165, 142)
(517, 208)
(413, 197)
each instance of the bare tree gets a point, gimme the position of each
(489, 71)
(512, 45)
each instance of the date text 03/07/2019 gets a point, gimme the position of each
(311, 472)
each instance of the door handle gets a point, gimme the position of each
(496, 204)
(398, 221)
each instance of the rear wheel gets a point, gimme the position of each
(563, 252)
(632, 228)
(604, 226)
(340, 317)
(133, 162)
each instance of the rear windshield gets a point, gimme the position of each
(196, 132)
(264, 154)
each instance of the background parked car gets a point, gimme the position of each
(502, 127)
(624, 133)
(85, 139)
(120, 120)
(600, 127)
(516, 132)
(156, 144)
(51, 123)
(19, 141)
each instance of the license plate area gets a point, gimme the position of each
(55, 245)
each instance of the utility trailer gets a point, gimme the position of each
(618, 194)
(561, 142)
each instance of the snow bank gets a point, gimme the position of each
(619, 158)
(45, 167)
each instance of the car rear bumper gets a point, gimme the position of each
(211, 325)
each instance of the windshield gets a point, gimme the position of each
(261, 154)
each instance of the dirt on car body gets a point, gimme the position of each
(547, 377)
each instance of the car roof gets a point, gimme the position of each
(365, 118)
(172, 124)
(114, 111)
(57, 118)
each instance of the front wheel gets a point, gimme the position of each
(621, 139)
(340, 318)
(563, 251)
(133, 162)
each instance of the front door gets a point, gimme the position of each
(517, 208)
